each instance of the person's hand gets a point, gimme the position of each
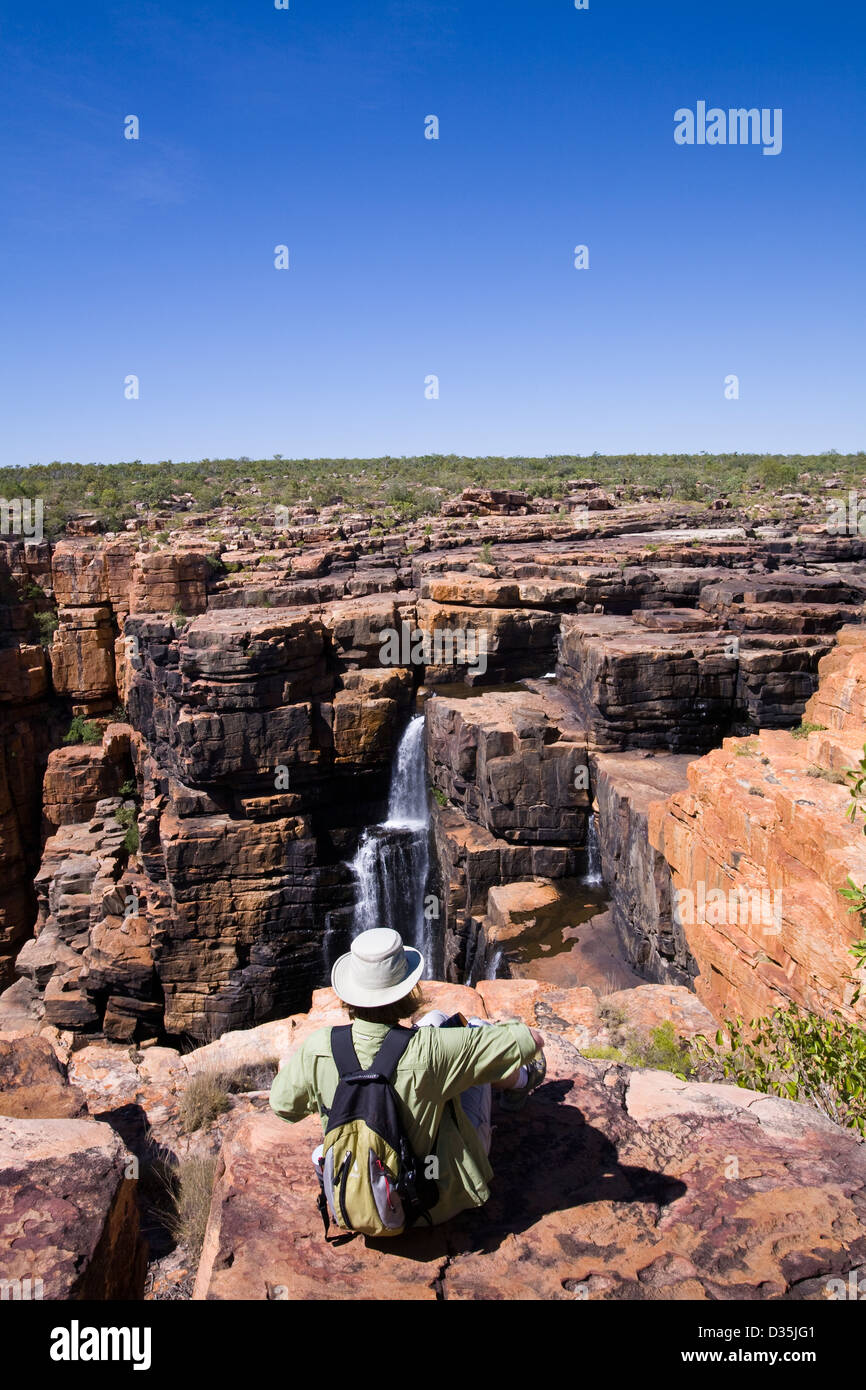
(538, 1039)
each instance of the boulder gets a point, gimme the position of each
(76, 779)
(635, 687)
(68, 1214)
(33, 1084)
(486, 644)
(668, 680)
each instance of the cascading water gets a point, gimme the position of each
(407, 801)
(593, 852)
(392, 860)
(495, 965)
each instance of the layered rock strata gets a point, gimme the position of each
(760, 847)
(266, 709)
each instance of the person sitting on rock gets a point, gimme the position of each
(442, 1081)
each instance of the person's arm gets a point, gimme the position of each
(508, 1083)
(291, 1093)
(477, 1056)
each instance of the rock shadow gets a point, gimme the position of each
(546, 1158)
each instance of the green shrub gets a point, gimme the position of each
(82, 731)
(397, 494)
(127, 817)
(439, 796)
(774, 473)
(663, 1050)
(659, 1050)
(684, 486)
(794, 1054)
(804, 729)
(856, 895)
(47, 625)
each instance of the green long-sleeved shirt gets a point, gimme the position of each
(436, 1067)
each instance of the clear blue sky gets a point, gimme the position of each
(411, 256)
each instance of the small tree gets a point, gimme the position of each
(82, 731)
(47, 625)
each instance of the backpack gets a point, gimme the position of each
(372, 1182)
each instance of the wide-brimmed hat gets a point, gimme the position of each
(378, 969)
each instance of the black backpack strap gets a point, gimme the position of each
(343, 1051)
(392, 1049)
(383, 1064)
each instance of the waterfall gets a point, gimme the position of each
(391, 863)
(495, 965)
(407, 801)
(593, 852)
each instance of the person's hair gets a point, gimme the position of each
(390, 1014)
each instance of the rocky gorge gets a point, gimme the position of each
(593, 764)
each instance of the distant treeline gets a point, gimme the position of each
(399, 489)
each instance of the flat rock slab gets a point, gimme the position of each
(68, 1214)
(650, 1006)
(610, 1184)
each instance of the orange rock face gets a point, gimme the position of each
(839, 703)
(23, 674)
(82, 655)
(167, 579)
(78, 574)
(759, 848)
(76, 778)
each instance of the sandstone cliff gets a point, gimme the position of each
(262, 727)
